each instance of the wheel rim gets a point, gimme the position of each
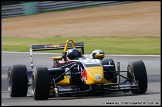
(33, 84)
(131, 76)
(9, 82)
(129, 73)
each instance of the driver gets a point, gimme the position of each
(97, 54)
(73, 54)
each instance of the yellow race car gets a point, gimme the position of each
(75, 73)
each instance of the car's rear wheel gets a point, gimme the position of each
(40, 83)
(108, 74)
(17, 81)
(137, 72)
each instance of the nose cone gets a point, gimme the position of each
(94, 75)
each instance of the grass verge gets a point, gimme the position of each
(110, 45)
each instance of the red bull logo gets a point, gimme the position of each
(84, 75)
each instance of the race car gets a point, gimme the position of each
(75, 73)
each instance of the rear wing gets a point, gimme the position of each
(63, 47)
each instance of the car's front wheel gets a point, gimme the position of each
(40, 83)
(137, 72)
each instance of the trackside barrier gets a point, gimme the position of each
(29, 8)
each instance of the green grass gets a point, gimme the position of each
(110, 45)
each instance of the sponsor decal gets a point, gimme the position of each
(66, 69)
(97, 76)
(53, 45)
(84, 75)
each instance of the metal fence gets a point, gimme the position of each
(28, 8)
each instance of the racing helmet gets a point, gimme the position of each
(97, 54)
(73, 54)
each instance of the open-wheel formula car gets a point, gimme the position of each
(74, 73)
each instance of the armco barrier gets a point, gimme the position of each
(36, 7)
(12, 10)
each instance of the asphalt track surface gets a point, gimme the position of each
(152, 96)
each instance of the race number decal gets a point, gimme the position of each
(91, 61)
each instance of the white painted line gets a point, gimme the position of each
(136, 55)
(4, 105)
(27, 52)
(85, 54)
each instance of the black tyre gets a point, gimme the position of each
(109, 76)
(140, 75)
(40, 83)
(17, 81)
